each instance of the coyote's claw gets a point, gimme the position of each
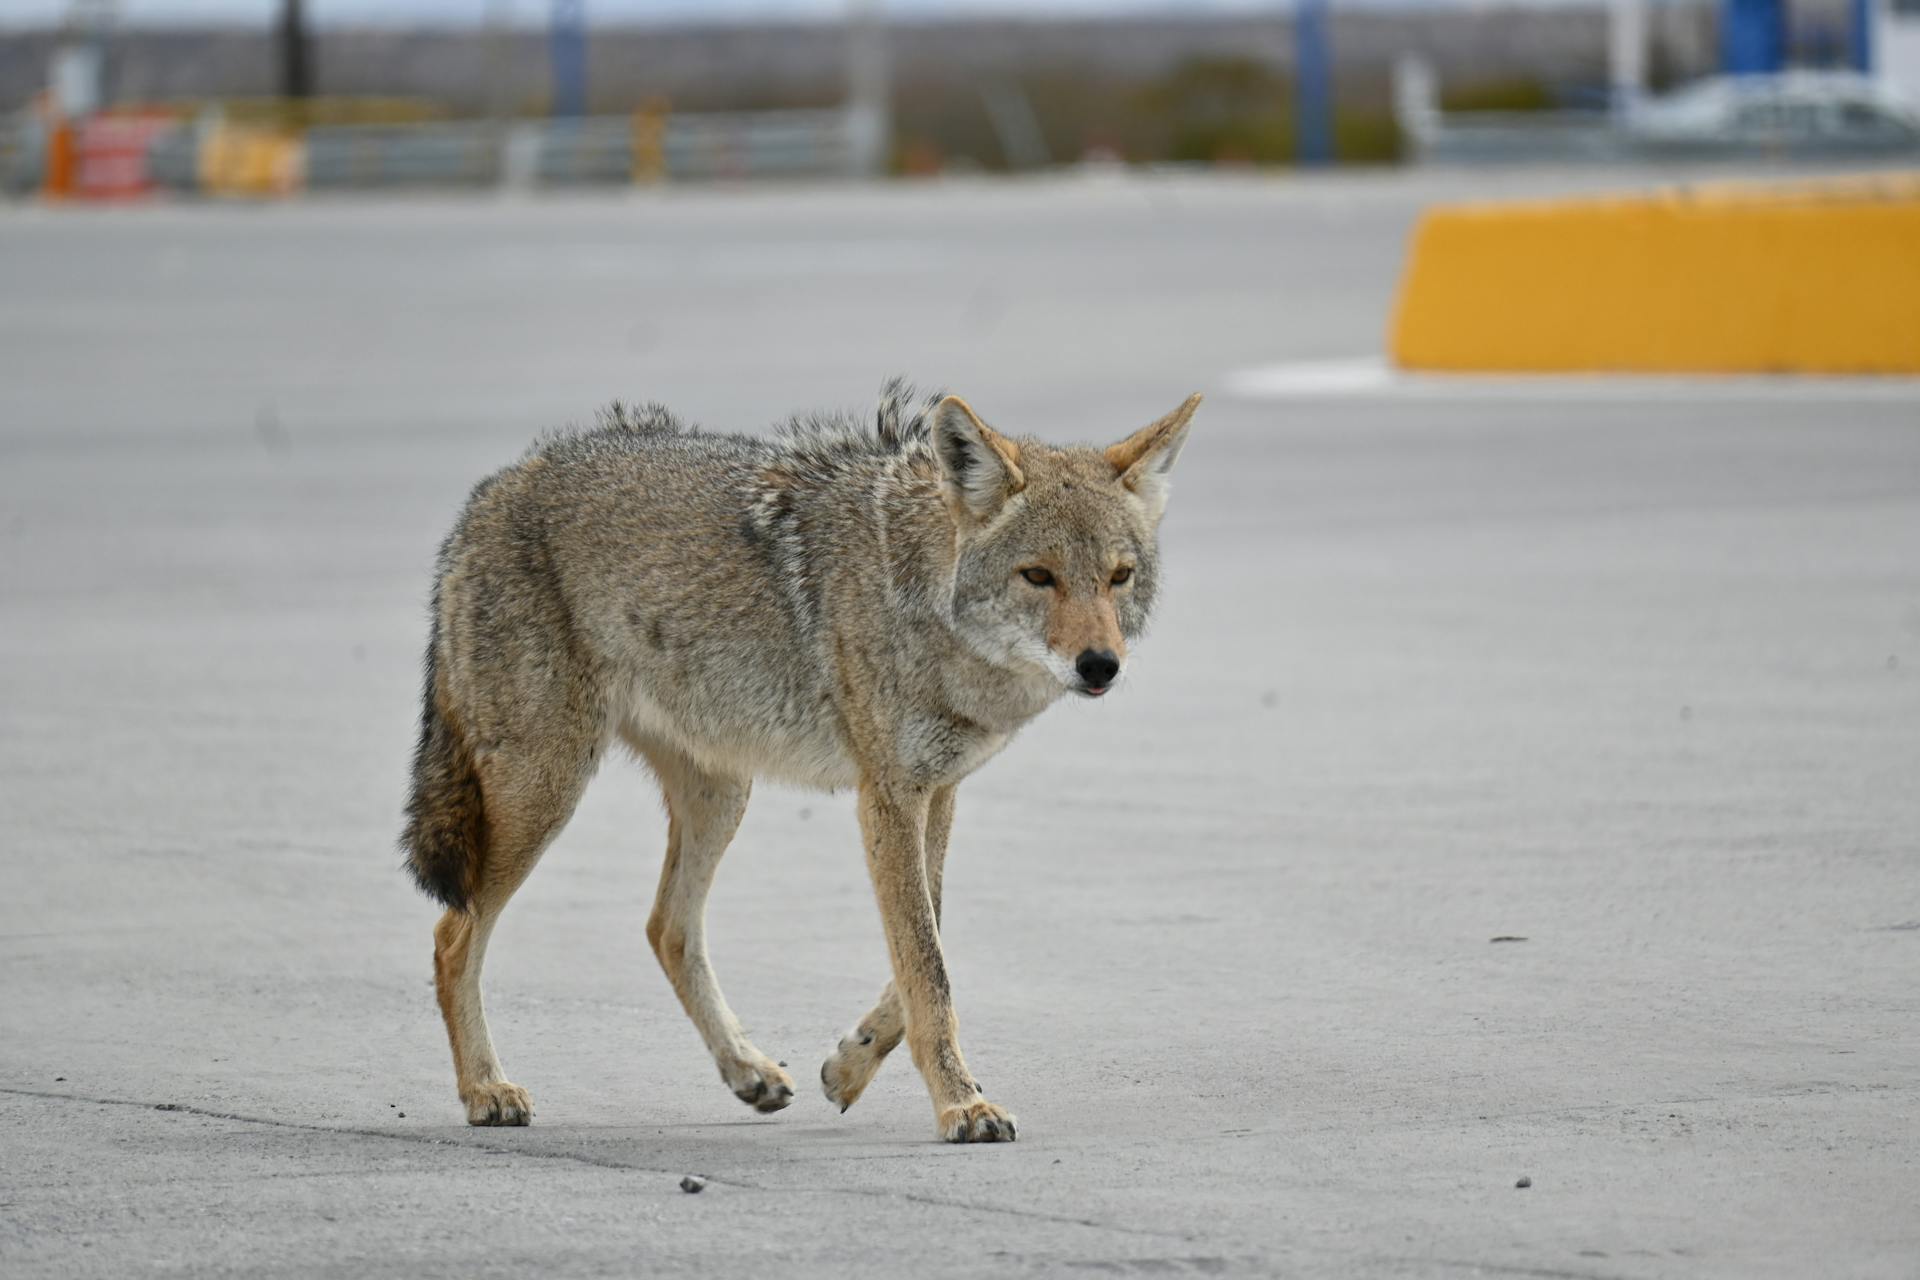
(762, 1086)
(850, 1068)
(980, 1121)
(500, 1103)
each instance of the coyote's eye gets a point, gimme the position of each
(1122, 574)
(1037, 576)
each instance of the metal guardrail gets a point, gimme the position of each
(1522, 137)
(1588, 137)
(588, 151)
(692, 147)
(595, 150)
(22, 157)
(436, 155)
(173, 159)
(764, 144)
(591, 150)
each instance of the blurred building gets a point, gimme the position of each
(1897, 44)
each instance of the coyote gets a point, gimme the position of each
(841, 605)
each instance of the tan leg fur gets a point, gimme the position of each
(529, 798)
(894, 823)
(850, 1068)
(704, 811)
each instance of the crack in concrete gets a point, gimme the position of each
(1509, 1269)
(573, 1157)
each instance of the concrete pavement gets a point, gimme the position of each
(1632, 675)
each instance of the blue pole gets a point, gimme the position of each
(567, 49)
(1860, 42)
(1313, 82)
(1753, 36)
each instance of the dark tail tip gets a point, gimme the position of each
(440, 867)
(445, 839)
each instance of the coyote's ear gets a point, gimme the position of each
(1144, 460)
(979, 467)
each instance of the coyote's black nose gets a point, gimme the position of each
(1097, 667)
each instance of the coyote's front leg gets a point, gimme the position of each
(893, 819)
(850, 1068)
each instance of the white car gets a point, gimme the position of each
(1808, 112)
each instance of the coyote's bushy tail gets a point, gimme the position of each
(446, 834)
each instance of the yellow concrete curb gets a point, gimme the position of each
(1812, 277)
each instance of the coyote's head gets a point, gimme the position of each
(1058, 551)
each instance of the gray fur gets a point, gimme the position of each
(722, 573)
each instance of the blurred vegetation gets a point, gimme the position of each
(1498, 95)
(1225, 111)
(287, 112)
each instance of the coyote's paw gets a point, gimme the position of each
(850, 1068)
(497, 1103)
(760, 1084)
(977, 1122)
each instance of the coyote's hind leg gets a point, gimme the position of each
(459, 950)
(850, 1068)
(529, 797)
(703, 811)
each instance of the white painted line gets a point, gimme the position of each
(1374, 377)
(1362, 376)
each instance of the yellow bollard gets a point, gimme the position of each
(650, 141)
